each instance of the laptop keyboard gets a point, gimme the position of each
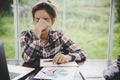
(13, 75)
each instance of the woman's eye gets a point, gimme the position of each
(36, 21)
(46, 19)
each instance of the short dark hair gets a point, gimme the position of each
(47, 6)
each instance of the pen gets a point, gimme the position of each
(50, 61)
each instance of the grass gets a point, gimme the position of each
(86, 26)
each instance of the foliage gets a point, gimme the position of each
(117, 31)
(117, 10)
(5, 6)
(7, 34)
(116, 42)
(5, 12)
(6, 25)
(1, 27)
(8, 41)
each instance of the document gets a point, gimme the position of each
(49, 63)
(56, 73)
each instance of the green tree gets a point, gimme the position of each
(116, 46)
(5, 10)
(5, 5)
(118, 10)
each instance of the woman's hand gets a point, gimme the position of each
(61, 58)
(40, 26)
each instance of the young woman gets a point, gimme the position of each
(45, 42)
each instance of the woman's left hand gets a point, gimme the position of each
(61, 58)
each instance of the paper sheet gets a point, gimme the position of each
(56, 73)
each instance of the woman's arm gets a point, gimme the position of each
(71, 49)
(29, 46)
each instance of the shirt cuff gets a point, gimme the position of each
(72, 58)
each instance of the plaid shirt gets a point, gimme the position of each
(56, 42)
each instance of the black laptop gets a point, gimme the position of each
(11, 72)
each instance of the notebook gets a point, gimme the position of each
(11, 72)
(49, 63)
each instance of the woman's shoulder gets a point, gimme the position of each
(26, 33)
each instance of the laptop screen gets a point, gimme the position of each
(13, 72)
(3, 64)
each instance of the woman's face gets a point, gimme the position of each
(42, 14)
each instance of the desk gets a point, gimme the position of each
(37, 69)
(97, 65)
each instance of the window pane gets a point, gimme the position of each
(86, 23)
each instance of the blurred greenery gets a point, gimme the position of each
(116, 42)
(5, 6)
(117, 10)
(7, 34)
(87, 24)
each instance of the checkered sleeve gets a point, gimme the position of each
(28, 46)
(74, 51)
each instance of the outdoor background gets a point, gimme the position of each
(86, 22)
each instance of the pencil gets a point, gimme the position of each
(48, 61)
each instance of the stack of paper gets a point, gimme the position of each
(50, 71)
(56, 73)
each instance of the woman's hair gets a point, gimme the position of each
(47, 6)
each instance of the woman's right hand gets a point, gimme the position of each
(40, 26)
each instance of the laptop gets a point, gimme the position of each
(11, 72)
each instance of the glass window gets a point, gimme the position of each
(86, 22)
